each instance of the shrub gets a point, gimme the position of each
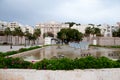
(14, 63)
(22, 49)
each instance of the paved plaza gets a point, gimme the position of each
(14, 48)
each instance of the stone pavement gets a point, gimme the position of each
(14, 48)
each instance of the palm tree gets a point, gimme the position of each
(21, 34)
(18, 33)
(50, 34)
(93, 31)
(88, 32)
(1, 33)
(37, 33)
(63, 37)
(116, 33)
(7, 32)
(27, 36)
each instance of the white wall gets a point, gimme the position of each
(30, 74)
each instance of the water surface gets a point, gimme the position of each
(69, 52)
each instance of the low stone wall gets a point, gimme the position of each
(109, 41)
(104, 41)
(88, 74)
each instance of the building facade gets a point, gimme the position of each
(24, 28)
(52, 27)
(3, 25)
(106, 30)
(15, 39)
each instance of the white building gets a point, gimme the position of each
(106, 30)
(52, 27)
(3, 25)
(81, 28)
(24, 28)
(28, 28)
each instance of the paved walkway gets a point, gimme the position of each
(14, 48)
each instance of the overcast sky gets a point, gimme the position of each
(32, 12)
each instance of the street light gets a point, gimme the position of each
(25, 41)
(11, 43)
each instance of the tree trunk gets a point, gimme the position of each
(18, 40)
(21, 40)
(15, 40)
(7, 38)
(114, 41)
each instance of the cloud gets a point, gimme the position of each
(82, 11)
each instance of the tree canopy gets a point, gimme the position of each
(69, 34)
(116, 33)
(72, 23)
(50, 34)
(93, 31)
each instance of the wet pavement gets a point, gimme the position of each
(4, 48)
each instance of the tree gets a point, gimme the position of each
(69, 34)
(97, 32)
(93, 31)
(21, 34)
(27, 37)
(2, 33)
(88, 32)
(116, 33)
(17, 32)
(7, 32)
(50, 34)
(70, 23)
(37, 33)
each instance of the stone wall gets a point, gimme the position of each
(104, 40)
(88, 74)
(19, 40)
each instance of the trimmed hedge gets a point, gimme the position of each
(60, 64)
(3, 54)
(14, 63)
(81, 63)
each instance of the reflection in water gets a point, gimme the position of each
(66, 51)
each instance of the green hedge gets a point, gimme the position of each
(82, 63)
(3, 54)
(14, 63)
(60, 64)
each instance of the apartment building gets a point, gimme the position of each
(24, 28)
(12, 26)
(106, 30)
(52, 27)
(3, 25)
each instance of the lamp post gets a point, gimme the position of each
(11, 43)
(25, 41)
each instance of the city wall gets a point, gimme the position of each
(15, 40)
(87, 74)
(104, 41)
(100, 40)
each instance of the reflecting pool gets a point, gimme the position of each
(69, 52)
